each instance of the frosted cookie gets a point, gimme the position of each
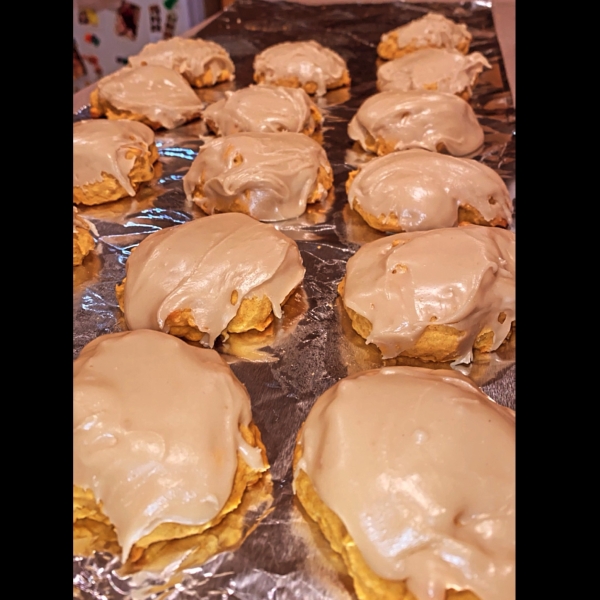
(154, 95)
(264, 109)
(435, 121)
(201, 62)
(111, 159)
(434, 295)
(433, 69)
(83, 242)
(430, 31)
(164, 447)
(301, 64)
(416, 190)
(269, 176)
(211, 276)
(410, 475)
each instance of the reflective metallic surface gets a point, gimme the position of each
(288, 366)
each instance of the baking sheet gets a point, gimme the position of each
(289, 366)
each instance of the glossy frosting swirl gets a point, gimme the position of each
(271, 175)
(432, 68)
(150, 415)
(102, 146)
(419, 465)
(262, 108)
(423, 190)
(306, 61)
(417, 119)
(463, 277)
(198, 266)
(189, 57)
(158, 93)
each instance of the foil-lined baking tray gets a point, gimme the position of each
(286, 368)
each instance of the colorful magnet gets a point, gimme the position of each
(88, 16)
(155, 24)
(170, 25)
(128, 17)
(92, 16)
(90, 38)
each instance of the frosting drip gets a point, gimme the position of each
(103, 146)
(307, 61)
(198, 266)
(424, 189)
(417, 119)
(420, 467)
(160, 94)
(262, 108)
(272, 175)
(461, 276)
(190, 57)
(430, 30)
(156, 431)
(449, 70)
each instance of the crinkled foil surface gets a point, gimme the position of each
(314, 346)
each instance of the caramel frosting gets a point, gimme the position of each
(103, 146)
(200, 264)
(417, 119)
(160, 94)
(156, 431)
(419, 465)
(262, 108)
(190, 57)
(80, 222)
(271, 175)
(463, 277)
(431, 30)
(432, 68)
(305, 61)
(423, 190)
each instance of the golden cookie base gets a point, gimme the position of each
(92, 530)
(108, 189)
(389, 223)
(207, 79)
(367, 584)
(240, 203)
(83, 244)
(100, 107)
(309, 129)
(388, 49)
(310, 87)
(437, 343)
(253, 314)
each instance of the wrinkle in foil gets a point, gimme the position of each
(287, 367)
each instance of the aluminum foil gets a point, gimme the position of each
(296, 360)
